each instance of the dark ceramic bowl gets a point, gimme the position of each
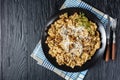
(99, 53)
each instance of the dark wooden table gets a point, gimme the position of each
(21, 22)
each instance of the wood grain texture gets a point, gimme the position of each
(14, 56)
(38, 13)
(21, 24)
(0, 46)
(109, 70)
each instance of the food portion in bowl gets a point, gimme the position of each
(73, 39)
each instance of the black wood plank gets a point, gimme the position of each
(38, 13)
(21, 25)
(14, 56)
(0, 46)
(103, 70)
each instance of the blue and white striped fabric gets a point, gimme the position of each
(39, 56)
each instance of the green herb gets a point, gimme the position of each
(82, 20)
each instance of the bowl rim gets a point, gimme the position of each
(95, 57)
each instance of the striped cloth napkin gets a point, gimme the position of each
(39, 56)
